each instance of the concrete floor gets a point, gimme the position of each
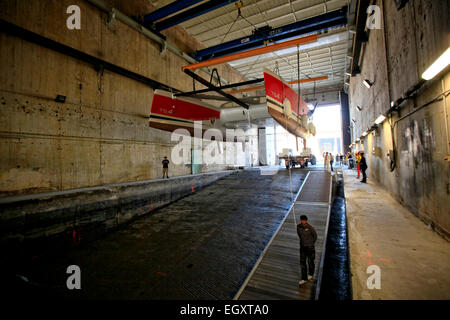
(414, 261)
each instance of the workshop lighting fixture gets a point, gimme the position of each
(367, 83)
(440, 64)
(364, 133)
(380, 119)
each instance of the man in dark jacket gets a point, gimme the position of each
(363, 167)
(165, 164)
(308, 237)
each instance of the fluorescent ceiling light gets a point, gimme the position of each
(367, 83)
(380, 119)
(364, 133)
(358, 139)
(440, 64)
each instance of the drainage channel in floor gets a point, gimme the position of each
(336, 281)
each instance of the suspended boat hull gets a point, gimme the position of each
(284, 104)
(170, 113)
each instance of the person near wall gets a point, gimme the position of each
(358, 166)
(350, 161)
(326, 161)
(308, 237)
(363, 166)
(165, 164)
(331, 161)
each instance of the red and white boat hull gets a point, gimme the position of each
(283, 104)
(170, 113)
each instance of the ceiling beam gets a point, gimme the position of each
(209, 85)
(191, 13)
(169, 9)
(252, 53)
(268, 34)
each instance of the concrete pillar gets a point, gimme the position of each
(262, 146)
(345, 116)
(275, 142)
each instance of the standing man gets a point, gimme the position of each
(363, 167)
(358, 166)
(308, 237)
(325, 161)
(165, 164)
(350, 161)
(331, 161)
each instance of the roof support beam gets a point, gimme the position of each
(252, 53)
(191, 13)
(260, 36)
(169, 9)
(233, 85)
(214, 88)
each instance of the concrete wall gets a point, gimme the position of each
(28, 221)
(100, 135)
(394, 58)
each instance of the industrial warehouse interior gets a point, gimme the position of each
(248, 152)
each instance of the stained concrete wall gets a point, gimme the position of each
(29, 221)
(100, 135)
(394, 58)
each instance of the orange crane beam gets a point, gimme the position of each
(252, 52)
(290, 82)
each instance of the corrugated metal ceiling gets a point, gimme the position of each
(325, 57)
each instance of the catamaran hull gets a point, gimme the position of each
(285, 106)
(169, 113)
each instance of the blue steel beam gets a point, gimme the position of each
(168, 10)
(191, 13)
(266, 34)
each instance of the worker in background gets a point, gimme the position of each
(286, 163)
(358, 159)
(331, 161)
(165, 164)
(326, 161)
(363, 166)
(308, 238)
(350, 160)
